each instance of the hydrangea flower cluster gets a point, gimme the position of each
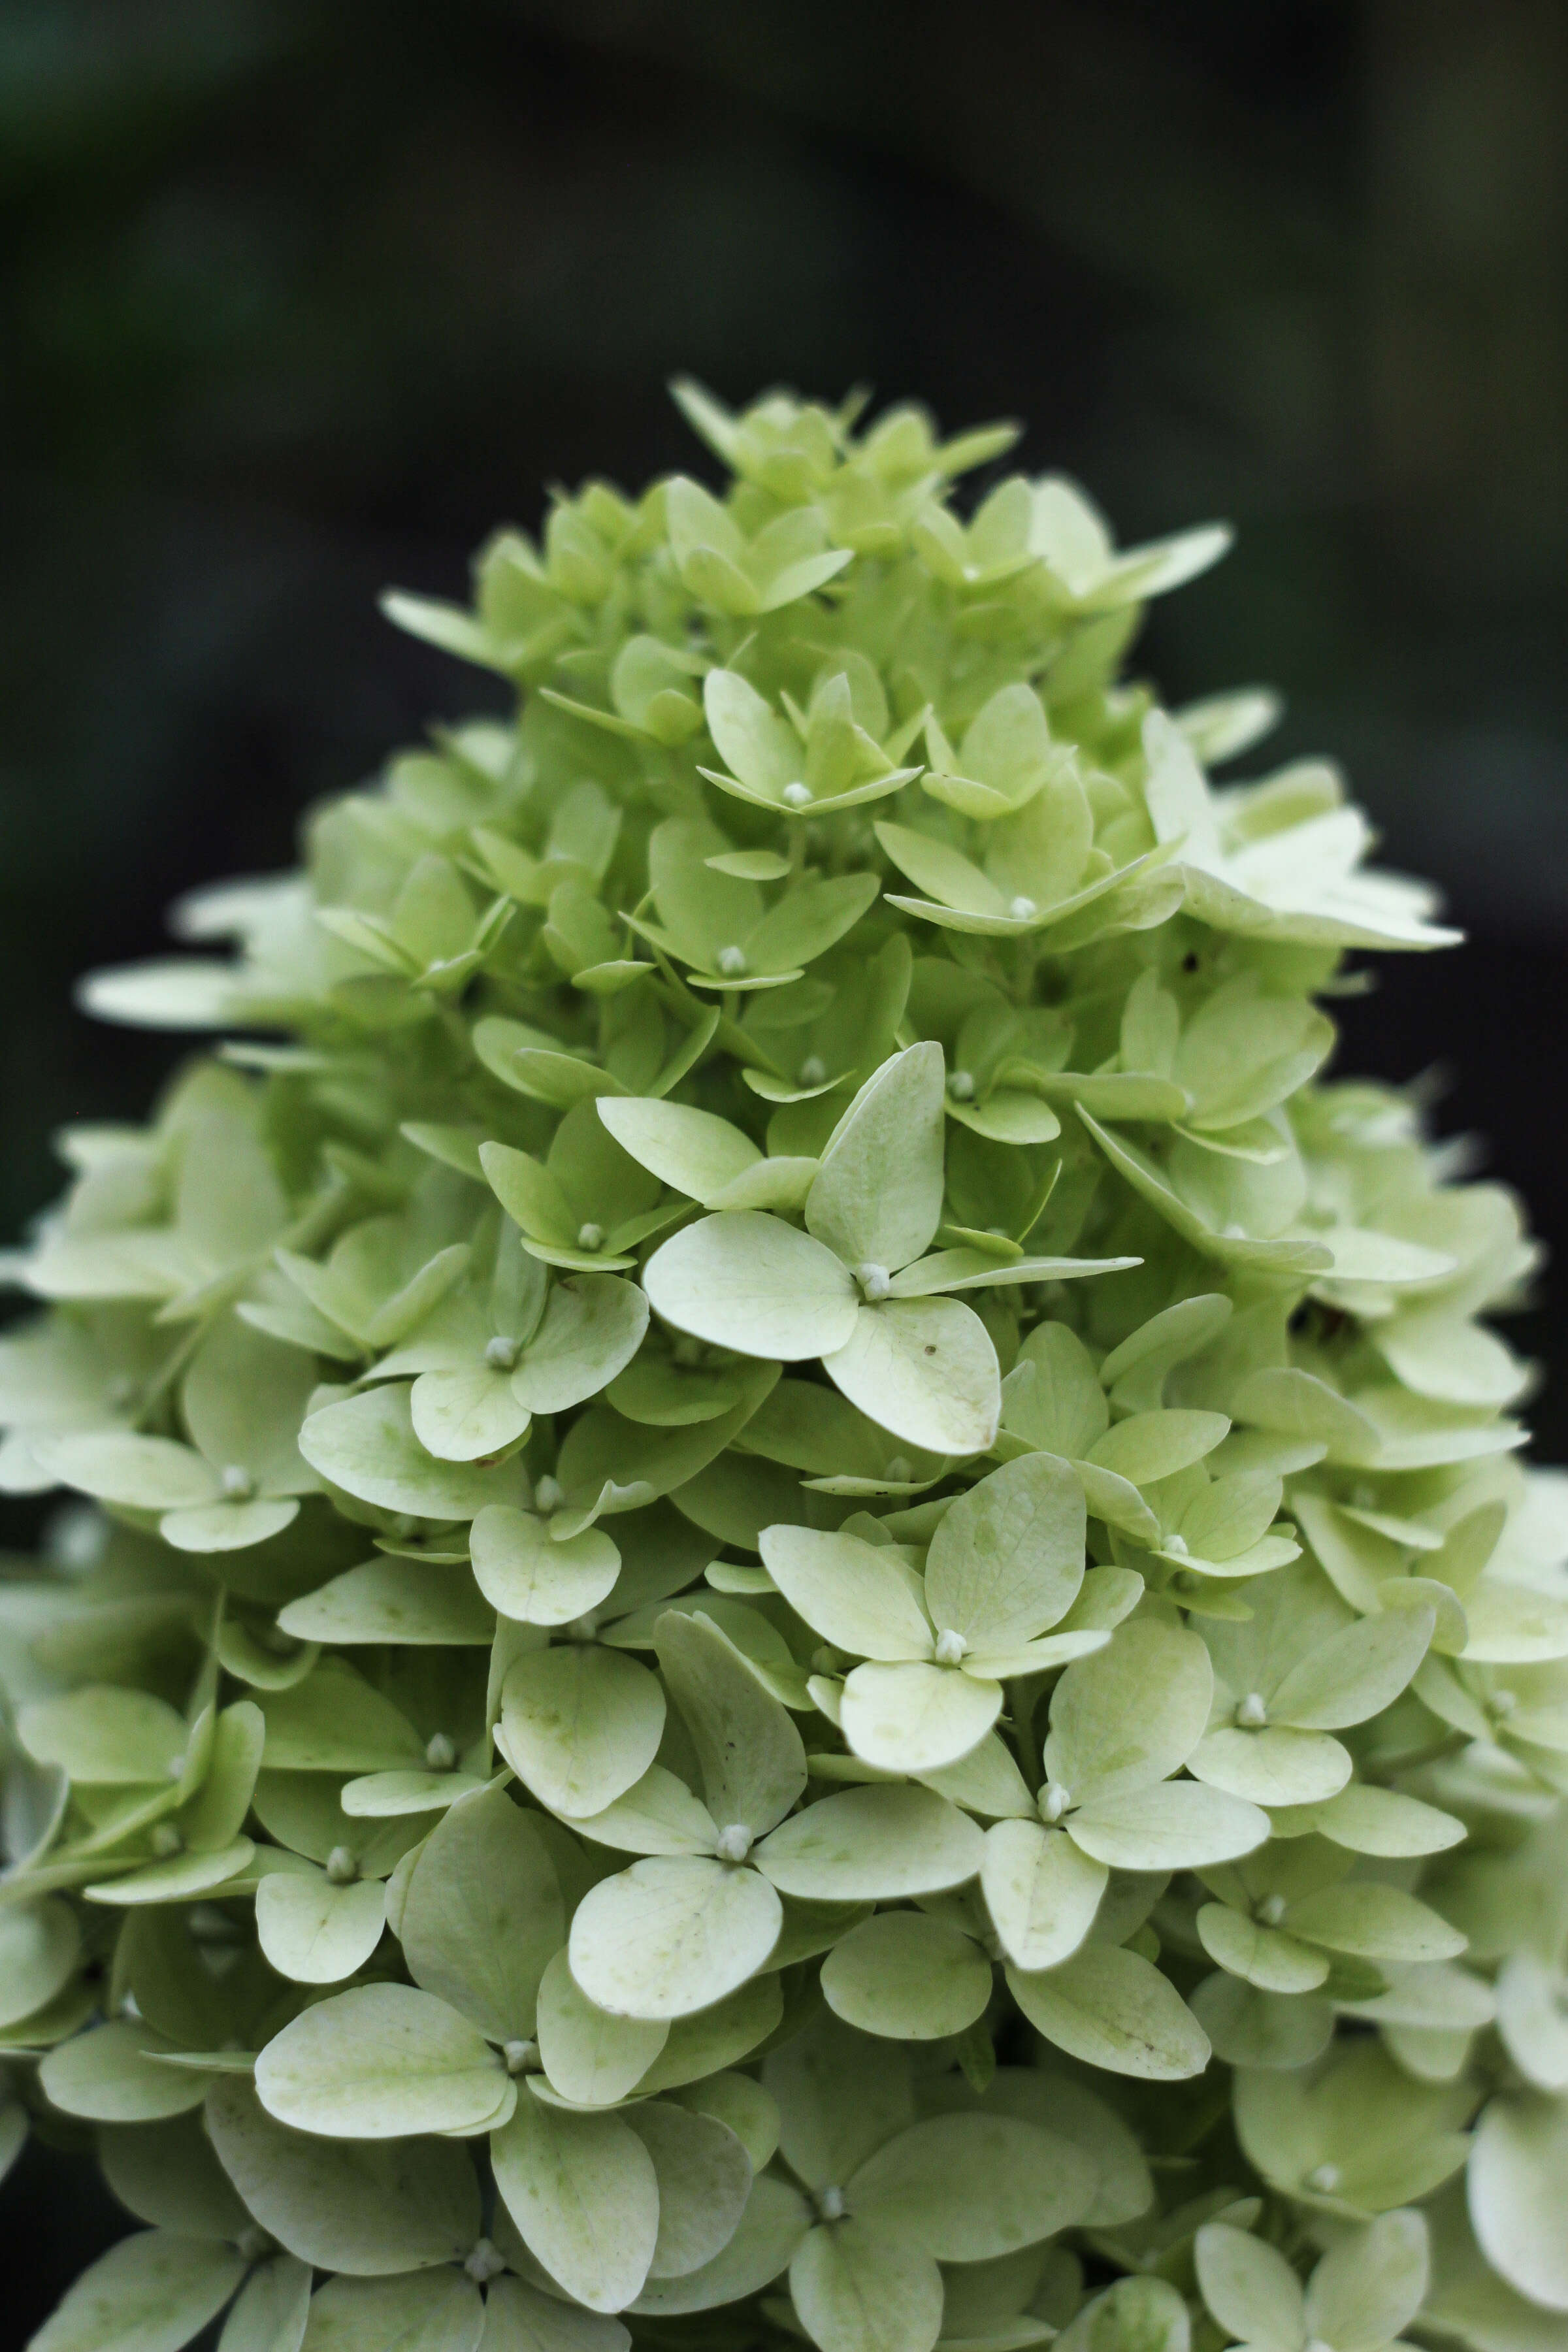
(802, 1606)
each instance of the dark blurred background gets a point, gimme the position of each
(300, 296)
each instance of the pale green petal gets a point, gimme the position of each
(986, 1781)
(110, 2075)
(591, 2058)
(671, 1935)
(150, 2292)
(592, 1327)
(380, 2062)
(688, 1150)
(748, 1751)
(865, 2286)
(107, 1736)
(271, 2309)
(1175, 1825)
(972, 2186)
(872, 1845)
(776, 2220)
(439, 2312)
(747, 1281)
(740, 2103)
(527, 1575)
(720, 2036)
(1144, 2312)
(907, 1977)
(1110, 2008)
(1355, 1673)
(226, 1527)
(876, 1198)
(583, 2192)
(1153, 1445)
(658, 1814)
(916, 1718)
(460, 1416)
(1041, 1890)
(1251, 2289)
(482, 1913)
(370, 2209)
(1368, 2288)
(1272, 1765)
(333, 1721)
(391, 1796)
(1357, 2135)
(517, 2318)
(1133, 1713)
(704, 2179)
(924, 1369)
(367, 1446)
(1007, 1559)
(1519, 2195)
(393, 1600)
(579, 1724)
(315, 1932)
(141, 1474)
(1264, 1957)
(39, 1947)
(856, 1595)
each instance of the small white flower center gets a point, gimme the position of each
(874, 1281)
(830, 2204)
(732, 961)
(960, 1086)
(521, 2057)
(812, 1072)
(500, 1353)
(590, 1236)
(342, 1865)
(167, 1841)
(898, 1472)
(1252, 1713)
(252, 2243)
(440, 1753)
(733, 1843)
(1178, 1545)
(1271, 1910)
(1055, 1801)
(950, 1647)
(1323, 2179)
(797, 796)
(1021, 909)
(549, 1494)
(484, 2262)
(1501, 1704)
(238, 1485)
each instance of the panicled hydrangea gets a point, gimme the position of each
(779, 1509)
